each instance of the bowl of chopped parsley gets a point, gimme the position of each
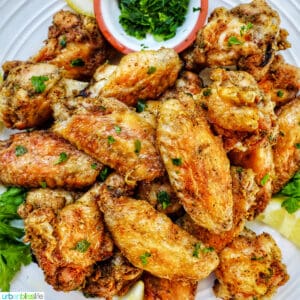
(134, 25)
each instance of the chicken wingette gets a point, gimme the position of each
(150, 240)
(109, 131)
(24, 101)
(40, 158)
(68, 242)
(197, 165)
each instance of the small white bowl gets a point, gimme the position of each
(107, 15)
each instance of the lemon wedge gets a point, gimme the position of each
(135, 293)
(278, 218)
(85, 7)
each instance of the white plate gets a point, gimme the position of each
(23, 27)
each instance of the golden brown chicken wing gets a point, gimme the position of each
(197, 165)
(247, 36)
(142, 75)
(286, 150)
(149, 239)
(67, 243)
(112, 277)
(250, 268)
(110, 132)
(24, 100)
(40, 158)
(75, 45)
(163, 289)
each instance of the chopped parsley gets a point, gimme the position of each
(297, 145)
(207, 92)
(20, 150)
(177, 161)
(82, 246)
(151, 70)
(137, 146)
(280, 93)
(265, 179)
(94, 166)
(144, 258)
(118, 129)
(160, 18)
(164, 199)
(63, 156)
(233, 40)
(104, 173)
(198, 249)
(78, 62)
(110, 139)
(141, 106)
(38, 83)
(43, 184)
(63, 41)
(291, 191)
(246, 28)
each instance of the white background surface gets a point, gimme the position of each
(23, 27)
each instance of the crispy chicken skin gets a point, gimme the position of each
(197, 165)
(109, 131)
(112, 277)
(282, 82)
(250, 268)
(286, 152)
(142, 75)
(163, 289)
(31, 159)
(67, 243)
(245, 190)
(74, 38)
(22, 104)
(247, 36)
(149, 239)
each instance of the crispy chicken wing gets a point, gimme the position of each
(110, 132)
(37, 158)
(282, 82)
(250, 268)
(68, 242)
(142, 75)
(24, 100)
(197, 165)
(247, 36)
(75, 45)
(112, 277)
(163, 289)
(149, 239)
(286, 150)
(245, 190)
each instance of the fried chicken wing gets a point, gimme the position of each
(68, 242)
(197, 165)
(112, 277)
(250, 267)
(245, 190)
(163, 289)
(286, 150)
(142, 75)
(109, 131)
(149, 239)
(24, 100)
(75, 45)
(282, 82)
(36, 158)
(247, 36)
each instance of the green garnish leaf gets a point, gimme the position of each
(82, 246)
(43, 184)
(291, 204)
(137, 146)
(63, 156)
(196, 250)
(297, 145)
(118, 129)
(207, 92)
(38, 83)
(104, 173)
(164, 199)
(177, 161)
(246, 28)
(94, 166)
(20, 150)
(151, 70)
(141, 106)
(78, 62)
(280, 93)
(144, 258)
(265, 179)
(110, 139)
(233, 40)
(208, 249)
(63, 41)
